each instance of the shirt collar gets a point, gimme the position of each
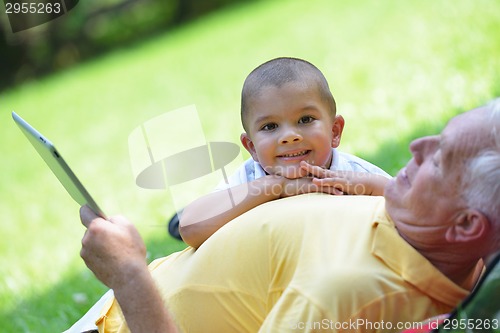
(410, 264)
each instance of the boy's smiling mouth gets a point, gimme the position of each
(295, 154)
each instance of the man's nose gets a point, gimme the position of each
(421, 147)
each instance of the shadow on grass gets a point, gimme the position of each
(392, 155)
(58, 308)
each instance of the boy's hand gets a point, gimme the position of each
(349, 182)
(305, 185)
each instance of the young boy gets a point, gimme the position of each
(290, 122)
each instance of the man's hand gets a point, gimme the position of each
(112, 249)
(116, 253)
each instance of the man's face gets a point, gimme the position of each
(290, 124)
(425, 197)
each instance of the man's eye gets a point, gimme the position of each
(436, 158)
(435, 161)
(269, 127)
(306, 120)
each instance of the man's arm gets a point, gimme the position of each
(116, 253)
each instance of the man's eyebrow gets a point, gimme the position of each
(447, 155)
(441, 143)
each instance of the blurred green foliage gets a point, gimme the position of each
(91, 28)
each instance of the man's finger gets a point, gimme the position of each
(87, 215)
(119, 219)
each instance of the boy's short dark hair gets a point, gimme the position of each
(279, 71)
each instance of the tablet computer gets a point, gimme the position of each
(58, 166)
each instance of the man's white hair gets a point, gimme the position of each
(481, 181)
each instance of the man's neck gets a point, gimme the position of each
(459, 269)
(457, 263)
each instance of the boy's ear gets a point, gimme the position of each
(337, 128)
(471, 225)
(249, 146)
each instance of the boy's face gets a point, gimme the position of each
(290, 124)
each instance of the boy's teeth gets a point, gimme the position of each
(295, 154)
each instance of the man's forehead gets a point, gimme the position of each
(470, 123)
(466, 132)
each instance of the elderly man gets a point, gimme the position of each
(320, 262)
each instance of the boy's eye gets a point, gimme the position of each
(306, 120)
(269, 127)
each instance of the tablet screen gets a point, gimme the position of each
(58, 166)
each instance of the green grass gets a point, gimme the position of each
(398, 70)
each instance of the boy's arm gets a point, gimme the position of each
(349, 182)
(204, 216)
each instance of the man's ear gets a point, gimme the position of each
(249, 146)
(337, 128)
(471, 225)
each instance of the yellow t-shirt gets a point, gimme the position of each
(306, 263)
